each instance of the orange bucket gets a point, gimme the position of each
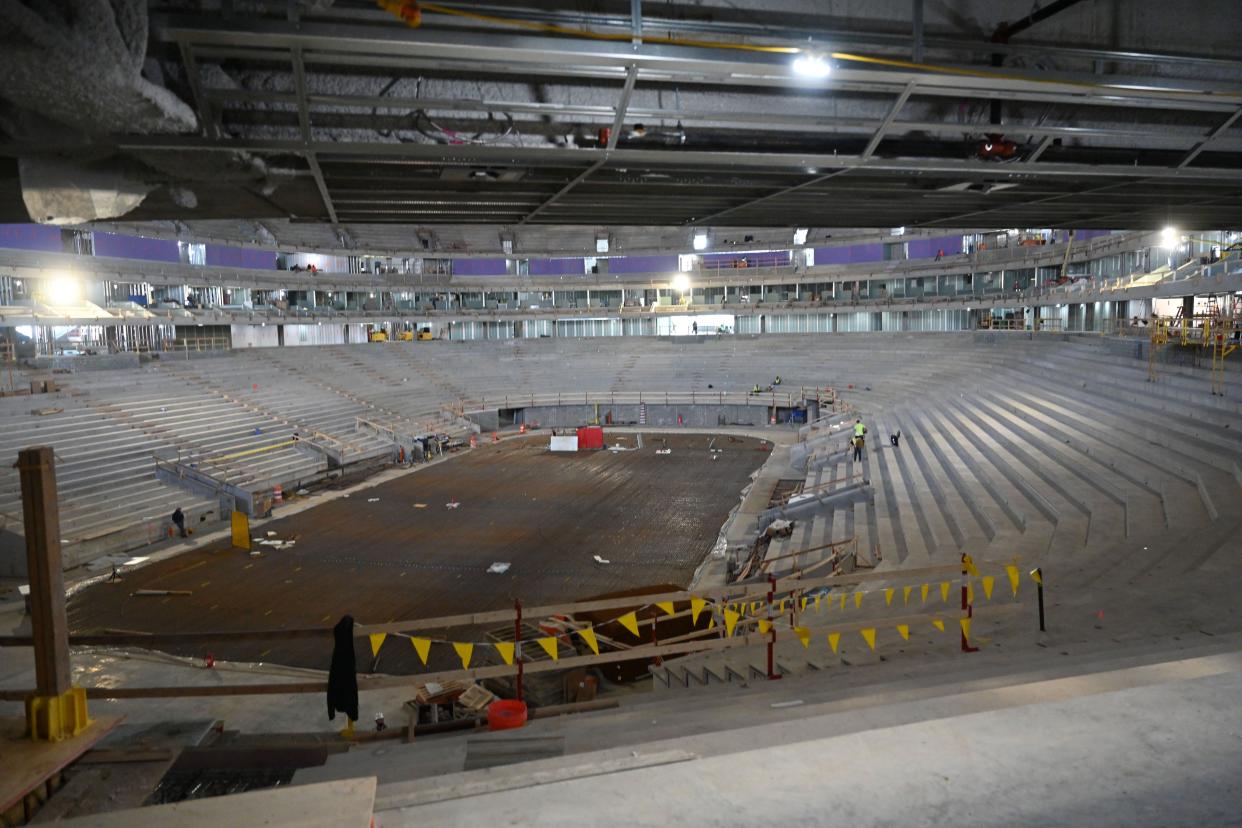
(506, 714)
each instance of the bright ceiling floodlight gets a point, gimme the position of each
(63, 289)
(1169, 237)
(811, 65)
(800, 235)
(681, 283)
(700, 241)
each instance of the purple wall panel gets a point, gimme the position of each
(136, 247)
(927, 248)
(222, 256)
(30, 237)
(849, 255)
(479, 267)
(642, 264)
(1083, 235)
(556, 267)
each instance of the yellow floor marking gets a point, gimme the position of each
(213, 606)
(269, 612)
(203, 584)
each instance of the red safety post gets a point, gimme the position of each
(968, 609)
(772, 674)
(517, 642)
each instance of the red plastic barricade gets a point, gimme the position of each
(590, 437)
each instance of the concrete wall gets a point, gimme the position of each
(658, 415)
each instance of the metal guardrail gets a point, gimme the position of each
(768, 399)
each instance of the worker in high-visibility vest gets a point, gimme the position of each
(860, 430)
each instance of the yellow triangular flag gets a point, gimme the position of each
(888, 597)
(857, 600)
(817, 603)
(868, 636)
(804, 635)
(944, 591)
(923, 590)
(834, 641)
(755, 606)
(803, 606)
(1037, 576)
(904, 630)
(587, 634)
(842, 600)
(464, 651)
(765, 626)
(730, 621)
(781, 610)
(696, 607)
(965, 622)
(970, 592)
(938, 623)
(422, 646)
(667, 606)
(549, 646)
(970, 566)
(988, 582)
(377, 641)
(630, 622)
(905, 594)
(1014, 578)
(711, 625)
(505, 649)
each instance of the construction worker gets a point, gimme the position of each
(860, 430)
(778, 380)
(178, 519)
(756, 389)
(857, 443)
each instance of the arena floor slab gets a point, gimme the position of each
(400, 550)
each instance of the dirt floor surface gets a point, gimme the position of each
(401, 549)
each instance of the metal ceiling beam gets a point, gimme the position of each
(618, 121)
(651, 158)
(299, 74)
(1210, 138)
(201, 104)
(874, 143)
(517, 53)
(754, 202)
(1041, 149)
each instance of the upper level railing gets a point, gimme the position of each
(768, 398)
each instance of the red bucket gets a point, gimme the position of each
(506, 714)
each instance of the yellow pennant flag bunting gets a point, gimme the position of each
(904, 631)
(804, 635)
(630, 622)
(834, 641)
(711, 624)
(549, 646)
(587, 634)
(1037, 576)
(965, 622)
(817, 603)
(938, 623)
(464, 651)
(842, 600)
(888, 597)
(505, 648)
(765, 626)
(755, 606)
(667, 606)
(696, 607)
(1014, 578)
(803, 605)
(969, 565)
(970, 592)
(730, 621)
(923, 590)
(857, 600)
(944, 591)
(905, 594)
(869, 636)
(422, 646)
(988, 583)
(377, 641)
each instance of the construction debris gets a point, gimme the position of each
(499, 568)
(156, 592)
(452, 505)
(664, 451)
(372, 500)
(600, 560)
(420, 505)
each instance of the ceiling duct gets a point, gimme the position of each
(484, 174)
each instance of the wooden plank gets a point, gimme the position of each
(28, 764)
(345, 803)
